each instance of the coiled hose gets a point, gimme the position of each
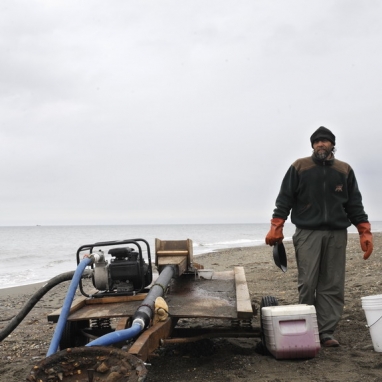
(67, 304)
(15, 322)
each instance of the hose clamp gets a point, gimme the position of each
(140, 322)
(160, 285)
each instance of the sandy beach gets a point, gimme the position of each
(230, 360)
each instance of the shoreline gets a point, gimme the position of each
(29, 289)
(21, 289)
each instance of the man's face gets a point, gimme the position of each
(322, 148)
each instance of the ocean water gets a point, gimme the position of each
(37, 253)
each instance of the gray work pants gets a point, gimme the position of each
(321, 259)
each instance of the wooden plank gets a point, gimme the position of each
(179, 246)
(149, 340)
(81, 302)
(112, 310)
(171, 260)
(77, 304)
(243, 300)
(172, 253)
(113, 299)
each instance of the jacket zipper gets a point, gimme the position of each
(325, 204)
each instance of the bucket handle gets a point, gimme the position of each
(369, 326)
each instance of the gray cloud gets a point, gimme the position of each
(162, 112)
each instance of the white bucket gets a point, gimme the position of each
(205, 273)
(372, 305)
(376, 298)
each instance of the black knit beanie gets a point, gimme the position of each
(323, 133)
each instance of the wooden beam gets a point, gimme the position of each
(77, 304)
(243, 300)
(82, 301)
(112, 299)
(172, 253)
(149, 340)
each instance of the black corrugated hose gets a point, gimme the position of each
(36, 298)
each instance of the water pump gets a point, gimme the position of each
(126, 273)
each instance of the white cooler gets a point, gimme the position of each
(291, 331)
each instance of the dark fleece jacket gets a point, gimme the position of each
(321, 194)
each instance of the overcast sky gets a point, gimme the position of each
(138, 112)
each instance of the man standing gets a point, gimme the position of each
(323, 195)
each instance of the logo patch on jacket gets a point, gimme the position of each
(339, 188)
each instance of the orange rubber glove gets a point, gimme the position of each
(365, 238)
(275, 234)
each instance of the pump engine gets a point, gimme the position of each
(126, 273)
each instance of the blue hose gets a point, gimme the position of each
(117, 336)
(66, 306)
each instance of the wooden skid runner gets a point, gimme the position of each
(243, 300)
